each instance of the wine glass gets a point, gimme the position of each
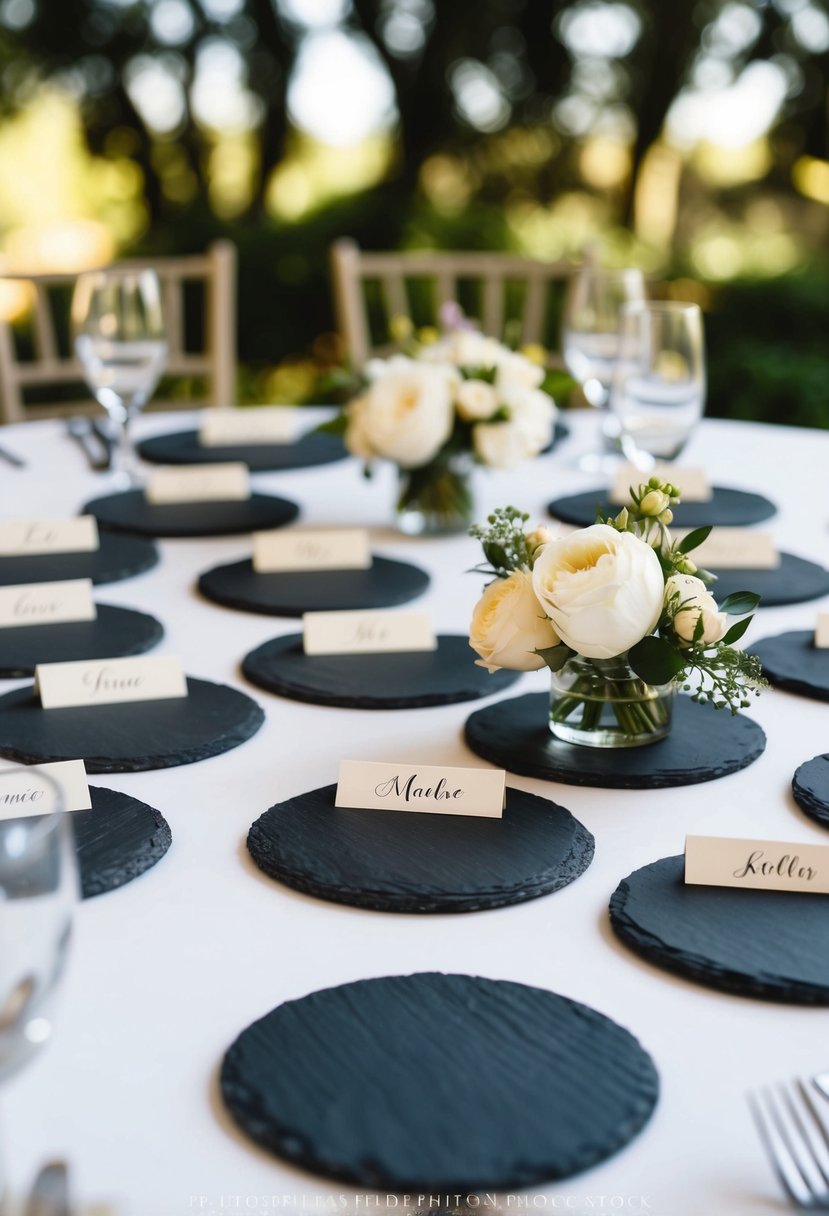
(658, 389)
(590, 340)
(118, 327)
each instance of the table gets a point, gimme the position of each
(167, 971)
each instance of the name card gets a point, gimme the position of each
(228, 482)
(332, 549)
(767, 865)
(822, 631)
(24, 537)
(366, 632)
(691, 482)
(257, 425)
(47, 603)
(27, 793)
(737, 549)
(109, 681)
(373, 786)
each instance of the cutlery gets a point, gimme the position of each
(103, 433)
(795, 1136)
(821, 1082)
(49, 1195)
(12, 458)
(81, 430)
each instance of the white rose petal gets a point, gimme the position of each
(689, 599)
(534, 413)
(476, 399)
(509, 625)
(406, 415)
(516, 374)
(501, 445)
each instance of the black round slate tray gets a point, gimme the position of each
(792, 661)
(769, 944)
(398, 680)
(115, 633)
(792, 582)
(810, 786)
(728, 508)
(133, 736)
(704, 744)
(413, 862)
(130, 512)
(119, 556)
(117, 840)
(436, 1082)
(183, 447)
(383, 585)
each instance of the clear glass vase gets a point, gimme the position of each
(436, 499)
(603, 703)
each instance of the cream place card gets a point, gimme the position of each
(68, 775)
(737, 549)
(256, 425)
(304, 549)
(47, 603)
(437, 790)
(765, 865)
(366, 632)
(109, 681)
(691, 482)
(822, 631)
(226, 482)
(25, 537)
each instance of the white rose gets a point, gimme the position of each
(601, 588)
(476, 399)
(406, 415)
(470, 348)
(534, 413)
(515, 375)
(689, 600)
(509, 625)
(501, 445)
(356, 436)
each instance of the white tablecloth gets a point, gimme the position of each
(168, 970)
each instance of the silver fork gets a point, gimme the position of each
(793, 1121)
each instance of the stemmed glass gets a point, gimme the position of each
(658, 389)
(590, 339)
(118, 327)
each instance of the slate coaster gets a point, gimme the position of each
(117, 840)
(728, 508)
(704, 744)
(116, 633)
(402, 862)
(400, 680)
(130, 737)
(183, 447)
(119, 556)
(383, 585)
(810, 786)
(769, 944)
(794, 581)
(429, 1082)
(792, 661)
(130, 512)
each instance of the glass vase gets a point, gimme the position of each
(436, 499)
(603, 703)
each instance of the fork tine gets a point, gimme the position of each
(804, 1139)
(816, 1130)
(777, 1150)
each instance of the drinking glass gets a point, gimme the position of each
(658, 389)
(118, 327)
(590, 340)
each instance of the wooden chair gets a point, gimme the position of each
(36, 357)
(501, 291)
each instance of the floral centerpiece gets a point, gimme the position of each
(441, 407)
(620, 615)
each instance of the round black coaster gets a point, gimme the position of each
(405, 862)
(769, 944)
(792, 582)
(810, 786)
(383, 585)
(116, 633)
(130, 737)
(792, 661)
(119, 556)
(183, 447)
(431, 1081)
(117, 840)
(130, 512)
(704, 744)
(400, 680)
(728, 508)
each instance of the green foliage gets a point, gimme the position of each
(503, 541)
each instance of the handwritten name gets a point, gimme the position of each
(409, 791)
(39, 534)
(27, 605)
(22, 796)
(101, 680)
(787, 866)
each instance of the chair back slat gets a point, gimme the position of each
(43, 327)
(173, 315)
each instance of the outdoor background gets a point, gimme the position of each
(690, 137)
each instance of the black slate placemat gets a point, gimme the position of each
(183, 447)
(769, 944)
(792, 661)
(810, 786)
(728, 508)
(395, 861)
(704, 744)
(437, 1082)
(119, 556)
(794, 581)
(115, 633)
(130, 512)
(117, 840)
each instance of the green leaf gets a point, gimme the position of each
(736, 631)
(334, 426)
(740, 602)
(694, 539)
(655, 661)
(556, 656)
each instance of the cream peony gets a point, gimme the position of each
(406, 415)
(509, 625)
(503, 445)
(602, 589)
(689, 600)
(476, 399)
(515, 375)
